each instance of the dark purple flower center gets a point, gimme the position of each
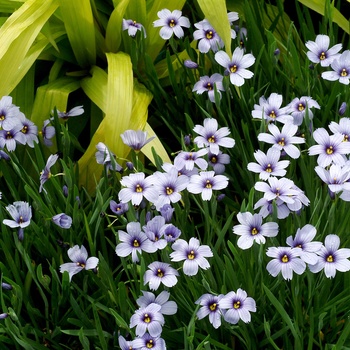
(9, 136)
(322, 56)
(136, 243)
(209, 86)
(214, 159)
(25, 129)
(81, 264)
(160, 273)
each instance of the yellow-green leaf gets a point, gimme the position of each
(79, 23)
(215, 12)
(52, 95)
(16, 38)
(319, 6)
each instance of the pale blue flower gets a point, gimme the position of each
(46, 173)
(167, 307)
(270, 109)
(268, 164)
(80, 261)
(47, 132)
(303, 240)
(341, 69)
(10, 137)
(159, 272)
(133, 242)
(286, 260)
(62, 220)
(210, 305)
(106, 157)
(284, 139)
(153, 231)
(149, 319)
(137, 187)
(320, 51)
(238, 306)
(170, 232)
(331, 258)
(218, 161)
(125, 344)
(168, 185)
(329, 148)
(208, 84)
(193, 253)
(171, 23)
(299, 107)
(188, 160)
(8, 113)
(118, 208)
(213, 137)
(207, 36)
(236, 66)
(251, 229)
(343, 127)
(205, 183)
(75, 111)
(147, 342)
(135, 139)
(132, 27)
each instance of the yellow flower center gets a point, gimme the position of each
(268, 168)
(272, 114)
(2, 117)
(146, 318)
(212, 307)
(136, 243)
(254, 231)
(209, 86)
(322, 56)
(25, 129)
(233, 69)
(172, 23)
(8, 135)
(281, 141)
(160, 273)
(284, 258)
(211, 139)
(150, 344)
(139, 189)
(169, 191)
(237, 304)
(344, 73)
(213, 159)
(208, 184)
(191, 255)
(301, 107)
(209, 34)
(81, 265)
(330, 258)
(329, 150)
